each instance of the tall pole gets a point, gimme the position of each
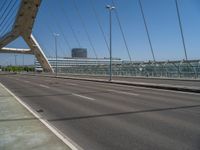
(110, 18)
(23, 60)
(56, 49)
(110, 8)
(15, 60)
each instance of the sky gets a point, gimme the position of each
(55, 16)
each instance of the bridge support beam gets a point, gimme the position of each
(23, 27)
(15, 50)
(39, 54)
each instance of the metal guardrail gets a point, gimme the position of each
(176, 69)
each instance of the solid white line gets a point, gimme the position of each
(82, 96)
(44, 86)
(53, 129)
(122, 92)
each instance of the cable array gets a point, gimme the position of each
(8, 14)
(99, 24)
(84, 27)
(181, 29)
(122, 32)
(70, 26)
(147, 30)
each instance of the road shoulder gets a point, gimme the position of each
(20, 129)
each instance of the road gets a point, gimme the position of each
(103, 116)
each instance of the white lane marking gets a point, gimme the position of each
(26, 81)
(44, 86)
(70, 143)
(122, 92)
(82, 96)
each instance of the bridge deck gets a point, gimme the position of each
(103, 116)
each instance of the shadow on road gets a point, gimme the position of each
(105, 115)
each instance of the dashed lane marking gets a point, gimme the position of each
(44, 86)
(82, 96)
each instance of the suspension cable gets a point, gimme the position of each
(8, 12)
(49, 29)
(6, 28)
(99, 24)
(70, 26)
(122, 32)
(8, 22)
(5, 10)
(3, 5)
(147, 31)
(85, 29)
(181, 29)
(61, 31)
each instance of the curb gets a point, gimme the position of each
(147, 85)
(66, 140)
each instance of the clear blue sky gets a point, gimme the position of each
(161, 19)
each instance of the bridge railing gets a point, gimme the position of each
(177, 69)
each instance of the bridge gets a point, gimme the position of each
(96, 102)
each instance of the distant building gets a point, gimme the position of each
(79, 53)
(71, 62)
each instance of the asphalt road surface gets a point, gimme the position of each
(103, 116)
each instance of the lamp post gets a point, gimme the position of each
(56, 49)
(110, 8)
(15, 60)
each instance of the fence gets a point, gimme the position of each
(169, 69)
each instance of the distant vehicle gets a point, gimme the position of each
(38, 69)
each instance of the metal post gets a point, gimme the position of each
(23, 60)
(15, 60)
(110, 18)
(110, 8)
(56, 49)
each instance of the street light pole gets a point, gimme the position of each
(15, 60)
(110, 8)
(56, 49)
